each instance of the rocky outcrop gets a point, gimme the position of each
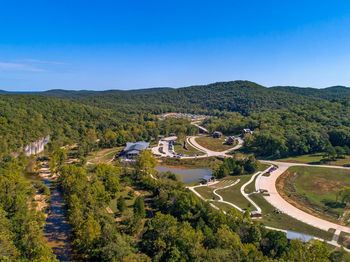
(36, 147)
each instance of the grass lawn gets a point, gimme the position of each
(190, 150)
(344, 239)
(233, 194)
(210, 162)
(102, 156)
(206, 192)
(315, 160)
(313, 189)
(251, 187)
(283, 221)
(214, 144)
(222, 206)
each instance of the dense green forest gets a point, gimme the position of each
(21, 226)
(172, 225)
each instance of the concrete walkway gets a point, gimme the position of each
(269, 183)
(192, 188)
(209, 153)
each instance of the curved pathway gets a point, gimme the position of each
(247, 195)
(192, 188)
(209, 153)
(275, 199)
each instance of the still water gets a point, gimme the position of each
(189, 175)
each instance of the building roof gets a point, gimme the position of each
(133, 152)
(255, 213)
(207, 177)
(138, 146)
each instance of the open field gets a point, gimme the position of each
(210, 162)
(251, 187)
(102, 156)
(190, 150)
(344, 239)
(213, 144)
(207, 192)
(313, 190)
(233, 194)
(223, 206)
(314, 159)
(283, 221)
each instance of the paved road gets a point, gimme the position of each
(164, 143)
(269, 184)
(208, 153)
(221, 200)
(247, 195)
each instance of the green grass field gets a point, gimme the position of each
(223, 206)
(210, 162)
(102, 156)
(207, 192)
(315, 160)
(313, 189)
(283, 221)
(214, 144)
(344, 239)
(251, 187)
(233, 194)
(190, 150)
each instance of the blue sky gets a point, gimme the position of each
(140, 44)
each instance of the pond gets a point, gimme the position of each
(189, 175)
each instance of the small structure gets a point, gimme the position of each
(133, 150)
(217, 134)
(247, 131)
(255, 214)
(231, 140)
(207, 179)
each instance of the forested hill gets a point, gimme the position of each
(325, 93)
(61, 93)
(239, 96)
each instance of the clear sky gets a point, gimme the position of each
(73, 44)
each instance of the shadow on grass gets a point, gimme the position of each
(334, 204)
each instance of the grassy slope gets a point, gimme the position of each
(315, 159)
(233, 194)
(190, 150)
(207, 192)
(102, 156)
(283, 221)
(314, 189)
(211, 162)
(214, 144)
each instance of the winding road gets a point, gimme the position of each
(269, 183)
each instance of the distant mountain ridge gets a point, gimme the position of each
(239, 96)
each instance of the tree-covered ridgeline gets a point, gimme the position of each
(294, 131)
(27, 118)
